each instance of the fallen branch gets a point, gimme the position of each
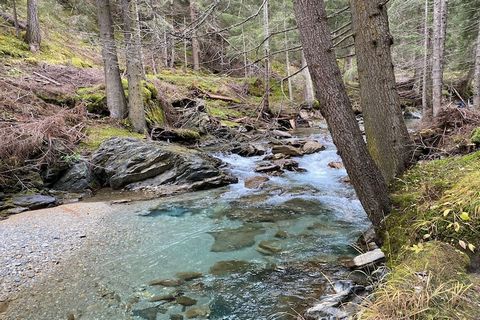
(47, 78)
(10, 19)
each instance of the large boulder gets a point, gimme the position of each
(77, 179)
(135, 164)
(35, 201)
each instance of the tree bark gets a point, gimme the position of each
(476, 77)
(136, 112)
(195, 43)
(15, 19)
(266, 32)
(388, 140)
(287, 61)
(309, 91)
(439, 30)
(116, 101)
(33, 35)
(427, 114)
(337, 109)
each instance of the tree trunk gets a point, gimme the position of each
(439, 30)
(15, 19)
(136, 112)
(185, 44)
(427, 115)
(387, 136)
(309, 92)
(476, 77)
(287, 61)
(33, 35)
(116, 101)
(266, 31)
(195, 43)
(337, 109)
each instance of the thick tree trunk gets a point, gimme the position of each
(136, 112)
(337, 109)
(476, 77)
(427, 115)
(439, 31)
(33, 35)
(309, 91)
(387, 137)
(116, 101)
(195, 43)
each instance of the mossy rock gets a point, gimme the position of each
(94, 99)
(476, 136)
(13, 47)
(95, 136)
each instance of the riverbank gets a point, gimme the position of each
(432, 241)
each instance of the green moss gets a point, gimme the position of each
(13, 47)
(94, 98)
(187, 134)
(97, 135)
(475, 136)
(436, 200)
(220, 109)
(80, 63)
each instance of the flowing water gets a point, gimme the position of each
(307, 221)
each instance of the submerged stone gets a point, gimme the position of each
(164, 297)
(234, 239)
(231, 266)
(256, 182)
(186, 301)
(269, 247)
(187, 276)
(198, 312)
(166, 282)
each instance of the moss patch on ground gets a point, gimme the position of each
(429, 237)
(98, 134)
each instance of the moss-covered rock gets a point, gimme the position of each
(95, 136)
(476, 136)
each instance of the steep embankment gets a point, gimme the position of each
(432, 240)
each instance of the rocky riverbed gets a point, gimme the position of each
(263, 248)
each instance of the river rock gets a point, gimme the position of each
(36, 201)
(255, 182)
(281, 134)
(336, 165)
(166, 282)
(266, 167)
(249, 150)
(176, 317)
(289, 165)
(287, 150)
(327, 307)
(77, 179)
(139, 165)
(281, 234)
(163, 297)
(234, 239)
(198, 312)
(269, 247)
(230, 266)
(188, 276)
(312, 147)
(366, 259)
(186, 301)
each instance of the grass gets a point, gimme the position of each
(429, 238)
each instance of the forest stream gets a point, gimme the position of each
(229, 253)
